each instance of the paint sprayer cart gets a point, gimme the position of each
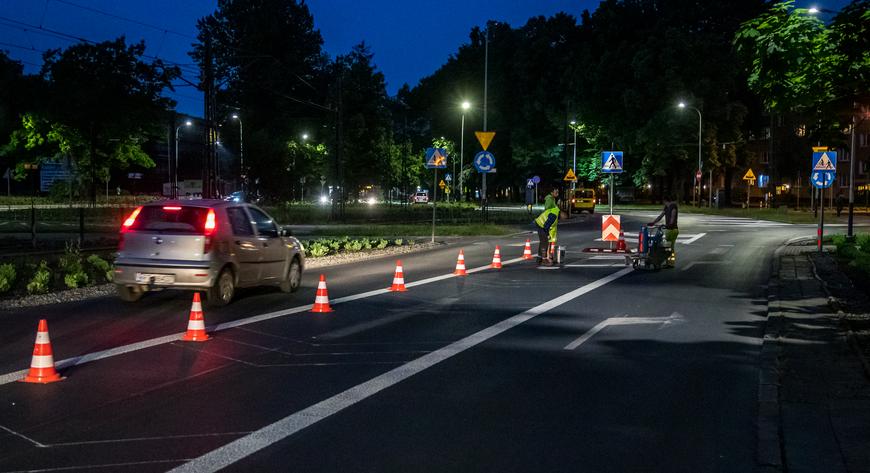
(652, 253)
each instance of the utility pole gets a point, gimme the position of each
(209, 184)
(485, 93)
(852, 157)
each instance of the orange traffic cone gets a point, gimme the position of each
(42, 365)
(196, 324)
(527, 251)
(321, 299)
(460, 265)
(496, 258)
(398, 279)
(620, 245)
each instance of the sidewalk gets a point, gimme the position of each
(814, 391)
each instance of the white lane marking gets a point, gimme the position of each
(22, 436)
(121, 350)
(727, 246)
(107, 465)
(619, 257)
(611, 265)
(673, 318)
(719, 251)
(269, 435)
(693, 263)
(692, 240)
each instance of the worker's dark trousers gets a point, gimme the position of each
(544, 242)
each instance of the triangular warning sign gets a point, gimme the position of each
(749, 176)
(484, 138)
(824, 164)
(612, 163)
(570, 176)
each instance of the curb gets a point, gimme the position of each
(769, 454)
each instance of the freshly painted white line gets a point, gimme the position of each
(727, 245)
(691, 240)
(618, 256)
(22, 436)
(611, 265)
(693, 263)
(674, 317)
(269, 435)
(121, 350)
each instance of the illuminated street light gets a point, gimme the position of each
(466, 105)
(304, 136)
(187, 123)
(700, 120)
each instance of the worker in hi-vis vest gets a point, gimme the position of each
(546, 223)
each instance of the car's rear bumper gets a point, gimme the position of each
(195, 276)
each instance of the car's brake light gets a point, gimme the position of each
(210, 222)
(130, 220)
(171, 208)
(210, 226)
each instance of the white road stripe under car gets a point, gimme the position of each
(237, 450)
(101, 355)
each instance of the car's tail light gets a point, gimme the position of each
(210, 227)
(130, 220)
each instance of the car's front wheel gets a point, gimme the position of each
(223, 290)
(129, 293)
(294, 277)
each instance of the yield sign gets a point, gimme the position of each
(484, 138)
(610, 225)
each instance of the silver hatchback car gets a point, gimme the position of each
(213, 246)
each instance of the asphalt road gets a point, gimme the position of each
(592, 367)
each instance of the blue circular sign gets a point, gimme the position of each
(536, 179)
(484, 161)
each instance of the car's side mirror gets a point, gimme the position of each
(286, 232)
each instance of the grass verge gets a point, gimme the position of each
(776, 215)
(406, 230)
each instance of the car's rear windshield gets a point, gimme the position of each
(587, 194)
(175, 219)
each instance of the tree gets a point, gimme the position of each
(104, 101)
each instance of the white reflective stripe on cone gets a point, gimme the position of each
(196, 307)
(196, 325)
(42, 361)
(399, 281)
(321, 300)
(321, 285)
(42, 338)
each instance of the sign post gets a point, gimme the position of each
(436, 158)
(822, 176)
(611, 163)
(484, 138)
(749, 177)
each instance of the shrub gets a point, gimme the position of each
(7, 277)
(353, 245)
(382, 244)
(39, 283)
(71, 265)
(367, 244)
(102, 266)
(863, 241)
(317, 249)
(334, 245)
(398, 242)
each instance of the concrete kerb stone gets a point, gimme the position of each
(769, 451)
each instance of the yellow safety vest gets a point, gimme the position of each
(542, 219)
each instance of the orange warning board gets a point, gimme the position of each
(610, 225)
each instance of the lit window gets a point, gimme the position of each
(801, 131)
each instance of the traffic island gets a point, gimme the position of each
(814, 390)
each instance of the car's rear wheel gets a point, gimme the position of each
(223, 290)
(294, 277)
(129, 293)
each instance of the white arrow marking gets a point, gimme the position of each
(671, 319)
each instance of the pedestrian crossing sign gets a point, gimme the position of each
(749, 176)
(436, 158)
(611, 161)
(825, 161)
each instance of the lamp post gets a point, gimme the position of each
(241, 150)
(574, 167)
(177, 137)
(466, 105)
(683, 105)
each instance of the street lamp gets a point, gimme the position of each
(241, 150)
(187, 123)
(466, 105)
(683, 105)
(574, 168)
(304, 136)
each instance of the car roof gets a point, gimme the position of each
(205, 203)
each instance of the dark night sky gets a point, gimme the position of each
(410, 38)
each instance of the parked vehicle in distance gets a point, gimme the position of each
(583, 199)
(420, 198)
(213, 246)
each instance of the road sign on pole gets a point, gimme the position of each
(749, 176)
(611, 161)
(484, 138)
(484, 162)
(436, 158)
(698, 175)
(570, 176)
(825, 161)
(449, 177)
